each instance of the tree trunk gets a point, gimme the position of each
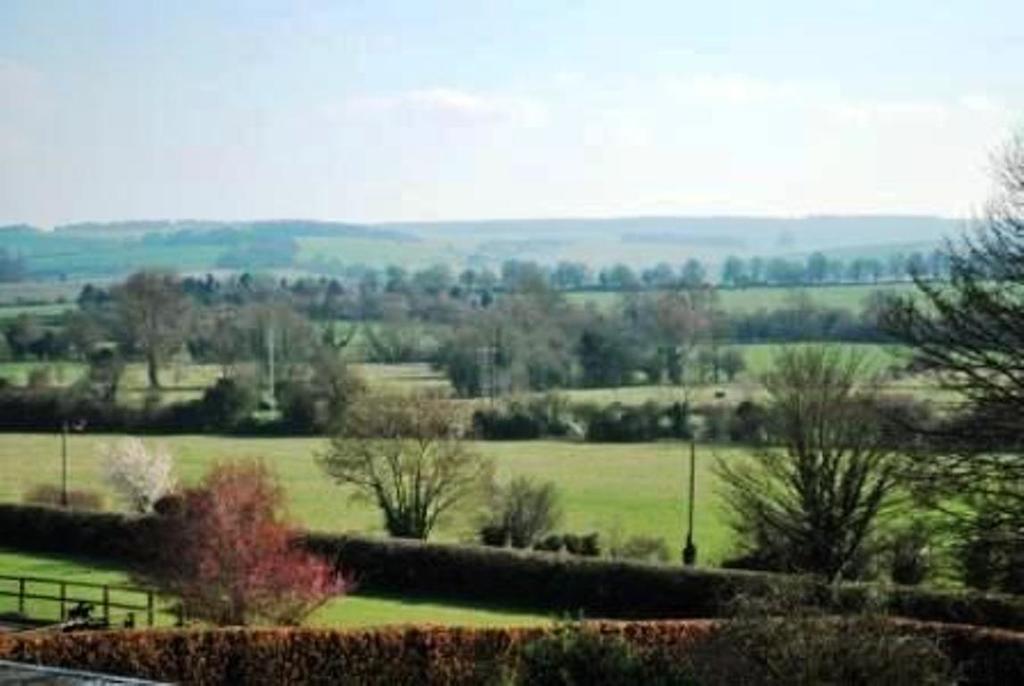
(153, 369)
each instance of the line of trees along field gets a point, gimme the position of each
(538, 338)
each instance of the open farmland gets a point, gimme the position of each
(735, 300)
(629, 488)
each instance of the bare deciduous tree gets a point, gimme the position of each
(153, 314)
(969, 332)
(809, 499)
(406, 454)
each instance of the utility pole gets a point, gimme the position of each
(64, 463)
(485, 362)
(272, 399)
(690, 550)
(65, 427)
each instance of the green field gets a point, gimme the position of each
(625, 488)
(184, 381)
(735, 300)
(357, 610)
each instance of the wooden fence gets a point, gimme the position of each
(31, 596)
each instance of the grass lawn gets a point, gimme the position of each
(608, 488)
(357, 610)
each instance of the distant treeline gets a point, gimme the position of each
(516, 332)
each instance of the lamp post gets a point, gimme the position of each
(64, 428)
(64, 463)
(690, 550)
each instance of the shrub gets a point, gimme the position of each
(227, 403)
(46, 494)
(573, 655)
(909, 555)
(39, 378)
(586, 545)
(547, 415)
(552, 543)
(748, 423)
(508, 425)
(643, 548)
(230, 558)
(618, 423)
(523, 510)
(140, 475)
(776, 640)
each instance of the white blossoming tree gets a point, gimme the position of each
(138, 474)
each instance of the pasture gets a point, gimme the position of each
(735, 300)
(614, 489)
(357, 610)
(185, 381)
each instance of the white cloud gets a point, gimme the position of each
(980, 102)
(823, 98)
(456, 107)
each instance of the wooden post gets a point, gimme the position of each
(21, 597)
(149, 608)
(63, 595)
(106, 604)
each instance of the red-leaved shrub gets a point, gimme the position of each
(230, 556)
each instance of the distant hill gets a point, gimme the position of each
(750, 234)
(109, 249)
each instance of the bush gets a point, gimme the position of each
(642, 548)
(547, 415)
(618, 423)
(139, 475)
(909, 555)
(46, 494)
(227, 403)
(748, 423)
(39, 378)
(572, 655)
(521, 512)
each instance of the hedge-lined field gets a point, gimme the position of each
(357, 610)
(636, 488)
(544, 583)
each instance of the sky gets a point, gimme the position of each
(379, 110)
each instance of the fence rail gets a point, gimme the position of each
(71, 597)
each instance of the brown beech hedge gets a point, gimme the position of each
(411, 655)
(536, 581)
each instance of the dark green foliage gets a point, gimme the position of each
(910, 555)
(748, 423)
(618, 423)
(573, 655)
(642, 548)
(769, 643)
(52, 496)
(227, 403)
(547, 415)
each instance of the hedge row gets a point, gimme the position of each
(412, 655)
(539, 581)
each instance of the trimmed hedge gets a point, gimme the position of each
(531, 580)
(412, 655)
